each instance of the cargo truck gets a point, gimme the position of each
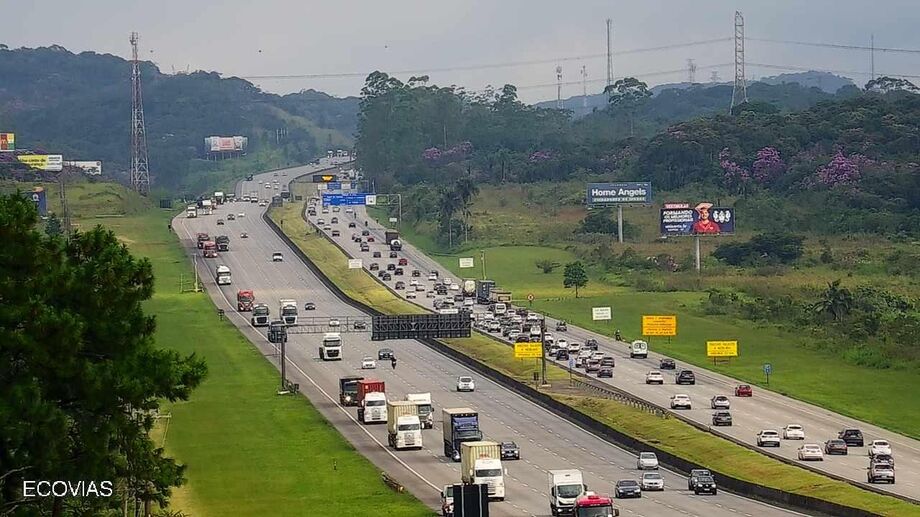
(219, 198)
(483, 290)
(595, 505)
(205, 207)
(244, 300)
(223, 243)
(222, 275)
(469, 288)
(391, 238)
(425, 412)
(348, 390)
(565, 487)
(331, 349)
(191, 211)
(459, 425)
(496, 296)
(287, 311)
(481, 463)
(260, 315)
(209, 249)
(404, 431)
(202, 238)
(372, 401)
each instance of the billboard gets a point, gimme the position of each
(653, 325)
(466, 262)
(702, 219)
(39, 198)
(345, 199)
(7, 142)
(528, 350)
(721, 349)
(355, 264)
(216, 144)
(43, 162)
(601, 313)
(624, 193)
(89, 167)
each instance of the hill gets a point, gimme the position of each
(79, 105)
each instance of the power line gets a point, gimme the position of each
(814, 69)
(839, 46)
(637, 76)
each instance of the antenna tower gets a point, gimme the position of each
(609, 54)
(559, 87)
(691, 71)
(739, 92)
(584, 87)
(140, 173)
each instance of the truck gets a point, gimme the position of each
(287, 311)
(205, 207)
(595, 505)
(469, 288)
(331, 349)
(424, 410)
(191, 211)
(459, 425)
(391, 239)
(202, 238)
(496, 296)
(222, 275)
(484, 290)
(481, 463)
(219, 198)
(348, 390)
(404, 430)
(260, 315)
(372, 401)
(244, 300)
(209, 249)
(565, 486)
(223, 243)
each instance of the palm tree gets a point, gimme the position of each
(448, 206)
(466, 190)
(835, 300)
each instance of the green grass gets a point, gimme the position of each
(670, 434)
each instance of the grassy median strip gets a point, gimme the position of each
(248, 451)
(670, 434)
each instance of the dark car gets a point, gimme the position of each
(220, 222)
(403, 262)
(351, 224)
(666, 364)
(360, 325)
(591, 344)
(375, 266)
(376, 254)
(387, 276)
(365, 247)
(608, 361)
(398, 271)
(309, 306)
(592, 366)
(627, 488)
(336, 233)
(381, 272)
(744, 390)
(371, 239)
(852, 437)
(510, 451)
(400, 285)
(416, 273)
(391, 267)
(835, 446)
(605, 372)
(459, 298)
(365, 233)
(685, 377)
(562, 355)
(695, 474)
(721, 418)
(393, 254)
(705, 484)
(384, 353)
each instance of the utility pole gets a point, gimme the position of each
(872, 57)
(559, 87)
(609, 55)
(482, 261)
(584, 87)
(691, 71)
(739, 91)
(65, 214)
(140, 173)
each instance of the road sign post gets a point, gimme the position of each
(767, 370)
(530, 300)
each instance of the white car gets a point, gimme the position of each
(241, 214)
(335, 209)
(335, 323)
(349, 210)
(879, 447)
(325, 210)
(413, 282)
(454, 287)
(447, 281)
(469, 302)
(432, 277)
(368, 363)
(465, 383)
(263, 203)
(562, 343)
(597, 356)
(680, 401)
(321, 221)
(410, 295)
(811, 451)
(768, 437)
(513, 335)
(647, 461)
(654, 377)
(793, 432)
(652, 481)
(720, 402)
(277, 257)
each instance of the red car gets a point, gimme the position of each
(403, 262)
(370, 239)
(743, 390)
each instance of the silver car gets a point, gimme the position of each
(652, 481)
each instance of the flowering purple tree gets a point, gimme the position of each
(431, 155)
(768, 166)
(540, 156)
(842, 169)
(435, 156)
(735, 177)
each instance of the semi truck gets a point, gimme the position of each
(595, 505)
(222, 275)
(459, 425)
(205, 207)
(481, 463)
(331, 349)
(223, 243)
(496, 296)
(404, 430)
(191, 211)
(260, 315)
(469, 288)
(425, 412)
(565, 487)
(244, 300)
(372, 401)
(209, 249)
(348, 390)
(219, 198)
(483, 290)
(202, 238)
(391, 238)
(287, 311)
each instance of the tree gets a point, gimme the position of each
(53, 226)
(81, 375)
(546, 265)
(886, 84)
(835, 301)
(628, 94)
(575, 276)
(598, 221)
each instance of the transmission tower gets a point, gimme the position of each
(739, 92)
(691, 71)
(140, 173)
(559, 87)
(609, 54)
(714, 76)
(584, 87)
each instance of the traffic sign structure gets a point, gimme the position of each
(528, 350)
(601, 313)
(530, 297)
(345, 199)
(654, 325)
(721, 349)
(767, 368)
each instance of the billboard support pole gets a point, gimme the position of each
(482, 260)
(696, 246)
(543, 353)
(620, 222)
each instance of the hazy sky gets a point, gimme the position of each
(287, 37)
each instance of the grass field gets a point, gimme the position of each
(248, 451)
(671, 434)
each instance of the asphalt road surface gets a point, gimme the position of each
(547, 441)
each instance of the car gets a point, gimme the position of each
(510, 451)
(398, 271)
(327, 228)
(432, 277)
(793, 432)
(263, 203)
(360, 325)
(309, 306)
(835, 446)
(391, 267)
(241, 214)
(563, 355)
(878, 447)
(720, 402)
(591, 344)
(608, 361)
(352, 224)
(430, 294)
(384, 353)
(810, 452)
(605, 372)
(393, 254)
(370, 238)
(349, 210)
(561, 326)
(685, 377)
(376, 254)
(244, 235)
(374, 266)
(592, 366)
(368, 363)
(335, 220)
(852, 437)
(220, 222)
(465, 383)
(744, 390)
(654, 377)
(336, 233)
(411, 295)
(334, 322)
(647, 461)
(695, 476)
(386, 276)
(231, 217)
(403, 262)
(277, 257)
(321, 221)
(400, 285)
(720, 418)
(680, 401)
(336, 209)
(627, 488)
(651, 481)
(420, 288)
(880, 472)
(705, 484)
(666, 364)
(768, 438)
(454, 287)
(365, 233)
(882, 458)
(416, 273)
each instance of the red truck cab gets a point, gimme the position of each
(209, 250)
(244, 300)
(594, 505)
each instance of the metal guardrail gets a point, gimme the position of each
(621, 397)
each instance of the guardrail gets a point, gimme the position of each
(732, 484)
(621, 397)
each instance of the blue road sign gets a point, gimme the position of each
(344, 199)
(767, 368)
(572, 362)
(334, 185)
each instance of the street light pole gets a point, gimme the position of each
(283, 361)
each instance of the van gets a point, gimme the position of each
(638, 349)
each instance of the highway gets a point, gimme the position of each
(547, 441)
(765, 410)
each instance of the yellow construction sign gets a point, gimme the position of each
(659, 325)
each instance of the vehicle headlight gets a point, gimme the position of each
(347, 398)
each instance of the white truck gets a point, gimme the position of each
(373, 407)
(404, 430)
(191, 211)
(219, 198)
(480, 463)
(206, 207)
(222, 275)
(424, 410)
(565, 486)
(287, 310)
(331, 349)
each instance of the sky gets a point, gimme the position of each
(307, 37)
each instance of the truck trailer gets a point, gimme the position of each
(404, 430)
(425, 412)
(459, 425)
(483, 290)
(209, 249)
(223, 243)
(481, 463)
(222, 275)
(191, 211)
(391, 238)
(348, 390)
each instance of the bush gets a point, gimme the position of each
(766, 248)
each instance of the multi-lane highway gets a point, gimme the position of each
(547, 441)
(765, 410)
